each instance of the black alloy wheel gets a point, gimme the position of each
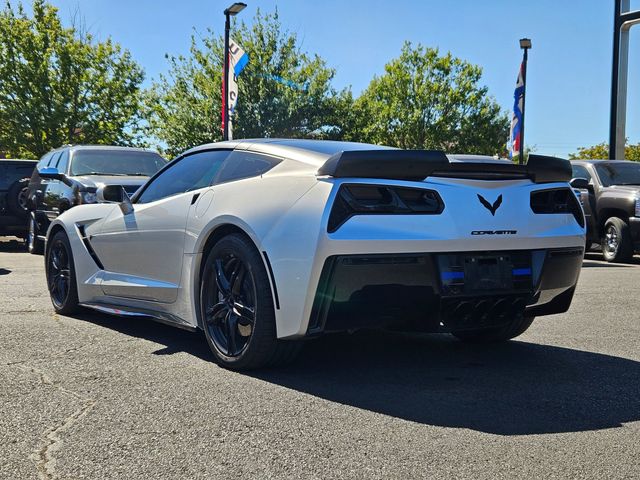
(61, 275)
(237, 307)
(230, 320)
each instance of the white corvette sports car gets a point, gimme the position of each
(261, 243)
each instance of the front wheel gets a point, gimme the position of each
(61, 276)
(237, 311)
(34, 244)
(617, 244)
(514, 328)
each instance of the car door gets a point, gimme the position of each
(142, 251)
(38, 185)
(51, 191)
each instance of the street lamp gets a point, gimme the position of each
(232, 11)
(525, 44)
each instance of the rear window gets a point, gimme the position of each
(115, 162)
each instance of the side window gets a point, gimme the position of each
(43, 161)
(63, 162)
(580, 172)
(241, 164)
(189, 173)
(54, 159)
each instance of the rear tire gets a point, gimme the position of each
(61, 275)
(236, 307)
(516, 327)
(35, 246)
(617, 244)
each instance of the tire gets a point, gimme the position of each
(236, 306)
(515, 328)
(617, 244)
(17, 199)
(35, 246)
(61, 275)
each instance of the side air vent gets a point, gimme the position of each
(89, 248)
(363, 199)
(557, 200)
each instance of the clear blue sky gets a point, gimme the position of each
(569, 71)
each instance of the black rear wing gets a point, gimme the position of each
(416, 165)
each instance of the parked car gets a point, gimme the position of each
(71, 175)
(14, 180)
(262, 243)
(610, 196)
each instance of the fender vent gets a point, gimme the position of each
(87, 245)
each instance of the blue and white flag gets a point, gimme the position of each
(516, 120)
(238, 59)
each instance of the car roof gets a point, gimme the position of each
(75, 148)
(314, 152)
(594, 161)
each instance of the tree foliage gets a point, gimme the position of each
(601, 152)
(283, 91)
(57, 85)
(425, 100)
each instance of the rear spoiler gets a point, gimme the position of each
(416, 165)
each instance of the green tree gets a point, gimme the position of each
(283, 91)
(58, 85)
(424, 100)
(601, 152)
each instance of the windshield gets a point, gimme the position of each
(116, 162)
(622, 173)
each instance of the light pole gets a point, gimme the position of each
(232, 11)
(525, 44)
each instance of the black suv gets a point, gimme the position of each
(70, 176)
(14, 179)
(610, 195)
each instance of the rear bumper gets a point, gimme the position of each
(442, 292)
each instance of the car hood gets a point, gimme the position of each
(97, 181)
(629, 190)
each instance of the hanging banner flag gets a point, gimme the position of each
(238, 59)
(516, 120)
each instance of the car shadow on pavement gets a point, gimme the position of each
(592, 259)
(174, 339)
(591, 264)
(12, 245)
(516, 388)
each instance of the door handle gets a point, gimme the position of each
(194, 198)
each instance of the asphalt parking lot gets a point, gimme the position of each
(106, 397)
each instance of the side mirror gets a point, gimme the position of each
(115, 194)
(50, 173)
(580, 183)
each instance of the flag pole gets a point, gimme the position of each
(525, 44)
(233, 10)
(225, 78)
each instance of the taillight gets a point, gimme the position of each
(557, 200)
(364, 199)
